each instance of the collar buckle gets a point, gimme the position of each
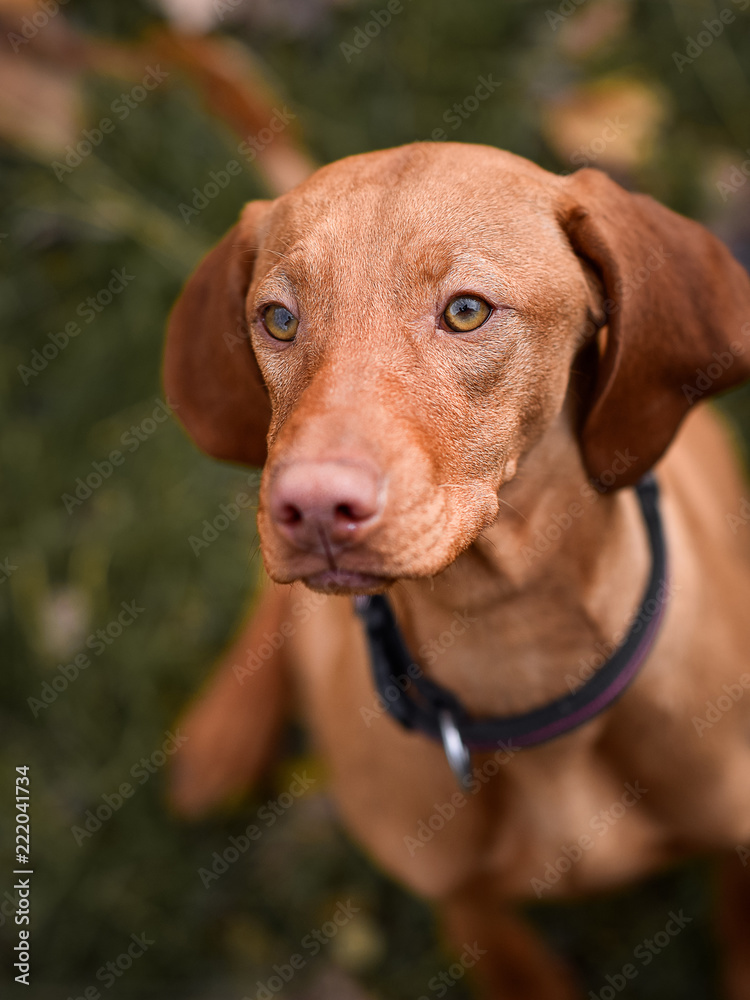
(456, 751)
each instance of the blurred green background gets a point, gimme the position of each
(593, 82)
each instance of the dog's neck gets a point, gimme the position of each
(518, 616)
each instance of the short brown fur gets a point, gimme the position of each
(607, 308)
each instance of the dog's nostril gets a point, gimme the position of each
(346, 513)
(340, 499)
(353, 512)
(290, 514)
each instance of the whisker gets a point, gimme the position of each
(245, 249)
(444, 486)
(483, 538)
(402, 589)
(515, 509)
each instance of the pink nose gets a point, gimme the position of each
(313, 503)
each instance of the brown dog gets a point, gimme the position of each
(457, 367)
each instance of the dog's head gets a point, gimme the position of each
(395, 335)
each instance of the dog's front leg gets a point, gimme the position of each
(735, 922)
(510, 961)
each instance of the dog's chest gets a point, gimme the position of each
(580, 825)
(563, 819)
(568, 827)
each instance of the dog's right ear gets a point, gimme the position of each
(211, 376)
(666, 324)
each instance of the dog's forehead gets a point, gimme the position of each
(424, 203)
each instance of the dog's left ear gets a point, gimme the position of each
(211, 376)
(677, 309)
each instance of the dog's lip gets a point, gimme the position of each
(345, 581)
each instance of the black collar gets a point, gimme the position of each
(436, 712)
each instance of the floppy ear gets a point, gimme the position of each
(211, 376)
(677, 304)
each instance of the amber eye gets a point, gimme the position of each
(280, 323)
(465, 313)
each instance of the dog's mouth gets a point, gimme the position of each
(344, 581)
(362, 569)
